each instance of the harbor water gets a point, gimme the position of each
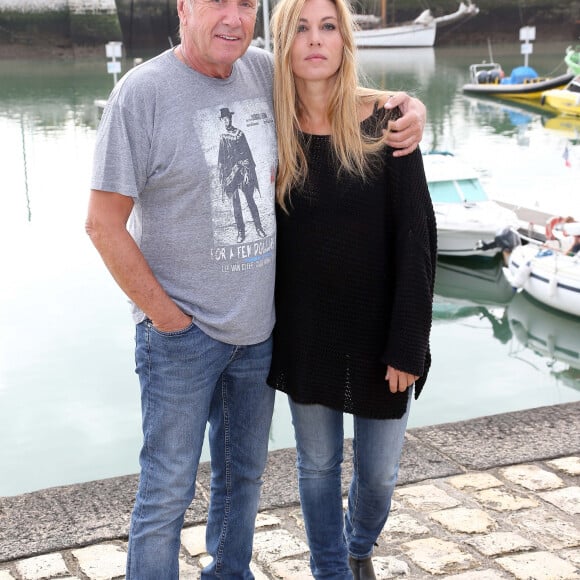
(69, 397)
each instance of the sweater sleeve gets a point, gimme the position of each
(415, 258)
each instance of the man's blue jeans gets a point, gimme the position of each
(377, 446)
(188, 379)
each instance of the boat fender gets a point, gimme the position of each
(552, 287)
(522, 275)
(551, 225)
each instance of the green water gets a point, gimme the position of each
(69, 407)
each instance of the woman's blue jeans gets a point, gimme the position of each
(187, 380)
(377, 445)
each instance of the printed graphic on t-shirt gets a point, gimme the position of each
(241, 146)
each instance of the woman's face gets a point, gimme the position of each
(318, 46)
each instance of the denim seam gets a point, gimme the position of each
(228, 479)
(149, 367)
(145, 490)
(355, 481)
(356, 486)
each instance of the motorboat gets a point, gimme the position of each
(469, 223)
(572, 59)
(489, 79)
(547, 273)
(565, 101)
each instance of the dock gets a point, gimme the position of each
(495, 497)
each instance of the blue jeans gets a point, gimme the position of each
(377, 446)
(188, 379)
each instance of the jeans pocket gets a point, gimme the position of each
(183, 331)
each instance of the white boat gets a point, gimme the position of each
(468, 222)
(550, 276)
(421, 32)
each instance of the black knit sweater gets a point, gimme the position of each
(354, 284)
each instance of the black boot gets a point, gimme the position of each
(362, 569)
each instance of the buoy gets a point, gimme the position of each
(551, 224)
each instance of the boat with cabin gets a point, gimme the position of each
(469, 223)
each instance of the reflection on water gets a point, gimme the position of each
(410, 67)
(473, 287)
(552, 334)
(568, 127)
(69, 408)
(474, 280)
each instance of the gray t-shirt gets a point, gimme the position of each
(199, 157)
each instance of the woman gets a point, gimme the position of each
(356, 260)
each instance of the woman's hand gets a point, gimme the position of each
(399, 381)
(405, 133)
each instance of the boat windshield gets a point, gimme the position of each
(460, 191)
(472, 190)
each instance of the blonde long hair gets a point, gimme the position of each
(353, 151)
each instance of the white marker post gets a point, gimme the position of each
(114, 51)
(527, 36)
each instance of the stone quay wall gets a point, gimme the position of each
(58, 23)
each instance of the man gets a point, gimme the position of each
(237, 172)
(203, 306)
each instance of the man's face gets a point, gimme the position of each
(216, 33)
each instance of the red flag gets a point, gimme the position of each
(566, 156)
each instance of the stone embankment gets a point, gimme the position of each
(492, 498)
(51, 25)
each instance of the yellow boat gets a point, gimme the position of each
(567, 100)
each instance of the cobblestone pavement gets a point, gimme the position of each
(519, 521)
